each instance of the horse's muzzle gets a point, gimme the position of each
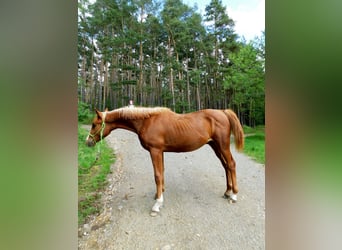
(90, 143)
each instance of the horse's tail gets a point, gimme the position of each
(236, 127)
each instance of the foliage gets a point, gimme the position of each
(84, 114)
(93, 168)
(255, 143)
(245, 82)
(165, 53)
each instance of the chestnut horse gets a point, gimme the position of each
(161, 130)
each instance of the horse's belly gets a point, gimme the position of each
(184, 146)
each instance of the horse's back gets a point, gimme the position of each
(205, 119)
(176, 132)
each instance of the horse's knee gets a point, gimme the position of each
(158, 178)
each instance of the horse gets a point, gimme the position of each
(161, 130)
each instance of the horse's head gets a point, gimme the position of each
(98, 130)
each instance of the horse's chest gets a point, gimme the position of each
(149, 140)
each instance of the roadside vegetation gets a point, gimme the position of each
(84, 114)
(255, 143)
(93, 167)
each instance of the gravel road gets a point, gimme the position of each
(194, 215)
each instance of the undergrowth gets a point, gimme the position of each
(85, 116)
(255, 143)
(93, 167)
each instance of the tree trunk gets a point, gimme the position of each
(188, 88)
(141, 55)
(105, 85)
(101, 85)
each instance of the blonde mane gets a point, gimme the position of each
(129, 113)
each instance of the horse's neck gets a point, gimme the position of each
(127, 126)
(131, 125)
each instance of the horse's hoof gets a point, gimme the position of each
(154, 214)
(232, 198)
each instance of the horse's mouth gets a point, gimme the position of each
(90, 143)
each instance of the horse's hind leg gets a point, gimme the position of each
(219, 155)
(231, 168)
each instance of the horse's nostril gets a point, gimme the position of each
(89, 143)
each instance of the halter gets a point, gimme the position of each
(100, 129)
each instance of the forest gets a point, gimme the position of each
(166, 53)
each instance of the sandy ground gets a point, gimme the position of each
(194, 215)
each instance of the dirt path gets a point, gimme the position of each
(194, 215)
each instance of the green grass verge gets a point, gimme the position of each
(93, 168)
(255, 143)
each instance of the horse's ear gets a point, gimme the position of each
(98, 114)
(106, 110)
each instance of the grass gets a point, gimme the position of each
(93, 168)
(255, 143)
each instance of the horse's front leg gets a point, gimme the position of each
(158, 166)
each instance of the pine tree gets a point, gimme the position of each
(162, 53)
(222, 38)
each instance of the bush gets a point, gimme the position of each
(84, 114)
